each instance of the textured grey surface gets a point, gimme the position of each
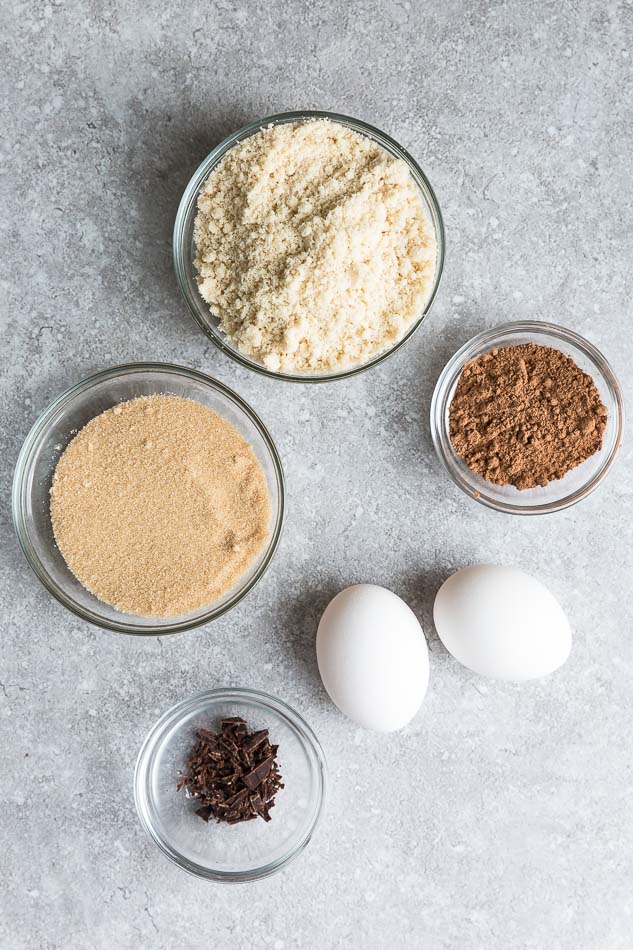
(503, 817)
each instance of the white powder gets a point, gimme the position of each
(314, 247)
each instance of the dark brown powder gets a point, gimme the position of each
(525, 415)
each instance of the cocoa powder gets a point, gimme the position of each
(525, 415)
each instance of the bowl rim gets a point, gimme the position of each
(186, 209)
(21, 480)
(502, 335)
(166, 722)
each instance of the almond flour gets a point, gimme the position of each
(314, 248)
(159, 506)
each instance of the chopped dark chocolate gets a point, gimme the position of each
(259, 774)
(233, 774)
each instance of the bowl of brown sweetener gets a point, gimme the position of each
(149, 498)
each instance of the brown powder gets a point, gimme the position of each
(525, 415)
(159, 506)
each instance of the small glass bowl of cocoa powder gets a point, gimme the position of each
(582, 476)
(69, 414)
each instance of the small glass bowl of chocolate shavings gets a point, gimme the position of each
(213, 757)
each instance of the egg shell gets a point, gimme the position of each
(373, 657)
(502, 623)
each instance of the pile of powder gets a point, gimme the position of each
(525, 415)
(159, 506)
(314, 248)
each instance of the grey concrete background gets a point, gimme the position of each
(502, 818)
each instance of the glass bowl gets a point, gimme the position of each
(51, 434)
(184, 250)
(220, 852)
(577, 483)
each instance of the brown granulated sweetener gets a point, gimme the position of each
(159, 506)
(525, 415)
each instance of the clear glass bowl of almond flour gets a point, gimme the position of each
(57, 426)
(217, 851)
(579, 482)
(184, 248)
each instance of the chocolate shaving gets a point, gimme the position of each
(259, 774)
(255, 741)
(233, 774)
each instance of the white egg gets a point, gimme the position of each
(373, 657)
(502, 623)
